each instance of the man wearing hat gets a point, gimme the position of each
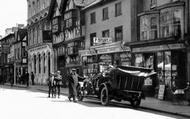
(51, 85)
(74, 77)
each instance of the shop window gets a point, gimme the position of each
(139, 60)
(164, 68)
(105, 13)
(118, 9)
(93, 18)
(92, 36)
(119, 33)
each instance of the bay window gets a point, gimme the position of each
(171, 22)
(149, 27)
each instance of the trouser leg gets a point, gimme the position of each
(58, 90)
(49, 91)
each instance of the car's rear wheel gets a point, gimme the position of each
(135, 102)
(104, 96)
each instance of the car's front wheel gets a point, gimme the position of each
(104, 97)
(79, 93)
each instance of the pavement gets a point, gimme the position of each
(181, 109)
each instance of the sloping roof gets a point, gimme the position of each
(63, 5)
(22, 33)
(51, 8)
(92, 4)
(78, 3)
(53, 4)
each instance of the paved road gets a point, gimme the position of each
(32, 104)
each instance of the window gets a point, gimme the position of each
(119, 33)
(44, 63)
(153, 3)
(171, 22)
(177, 22)
(118, 11)
(39, 63)
(153, 27)
(93, 18)
(34, 63)
(105, 13)
(149, 27)
(92, 35)
(105, 33)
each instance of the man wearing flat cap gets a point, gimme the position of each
(74, 82)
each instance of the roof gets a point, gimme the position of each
(63, 4)
(22, 33)
(92, 4)
(7, 36)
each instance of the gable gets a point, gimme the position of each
(56, 8)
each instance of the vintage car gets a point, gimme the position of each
(118, 83)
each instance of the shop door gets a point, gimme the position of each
(179, 68)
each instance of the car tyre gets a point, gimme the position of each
(104, 97)
(80, 93)
(135, 102)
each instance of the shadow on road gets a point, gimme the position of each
(21, 88)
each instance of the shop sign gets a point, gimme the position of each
(91, 51)
(109, 50)
(100, 41)
(38, 48)
(148, 82)
(84, 52)
(161, 92)
(159, 48)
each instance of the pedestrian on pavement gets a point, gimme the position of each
(70, 86)
(75, 77)
(51, 85)
(58, 79)
(27, 78)
(32, 78)
(22, 78)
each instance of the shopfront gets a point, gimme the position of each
(169, 61)
(97, 59)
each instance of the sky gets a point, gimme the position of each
(12, 12)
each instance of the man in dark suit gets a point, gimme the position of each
(70, 86)
(27, 79)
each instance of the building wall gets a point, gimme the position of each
(35, 6)
(37, 23)
(100, 25)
